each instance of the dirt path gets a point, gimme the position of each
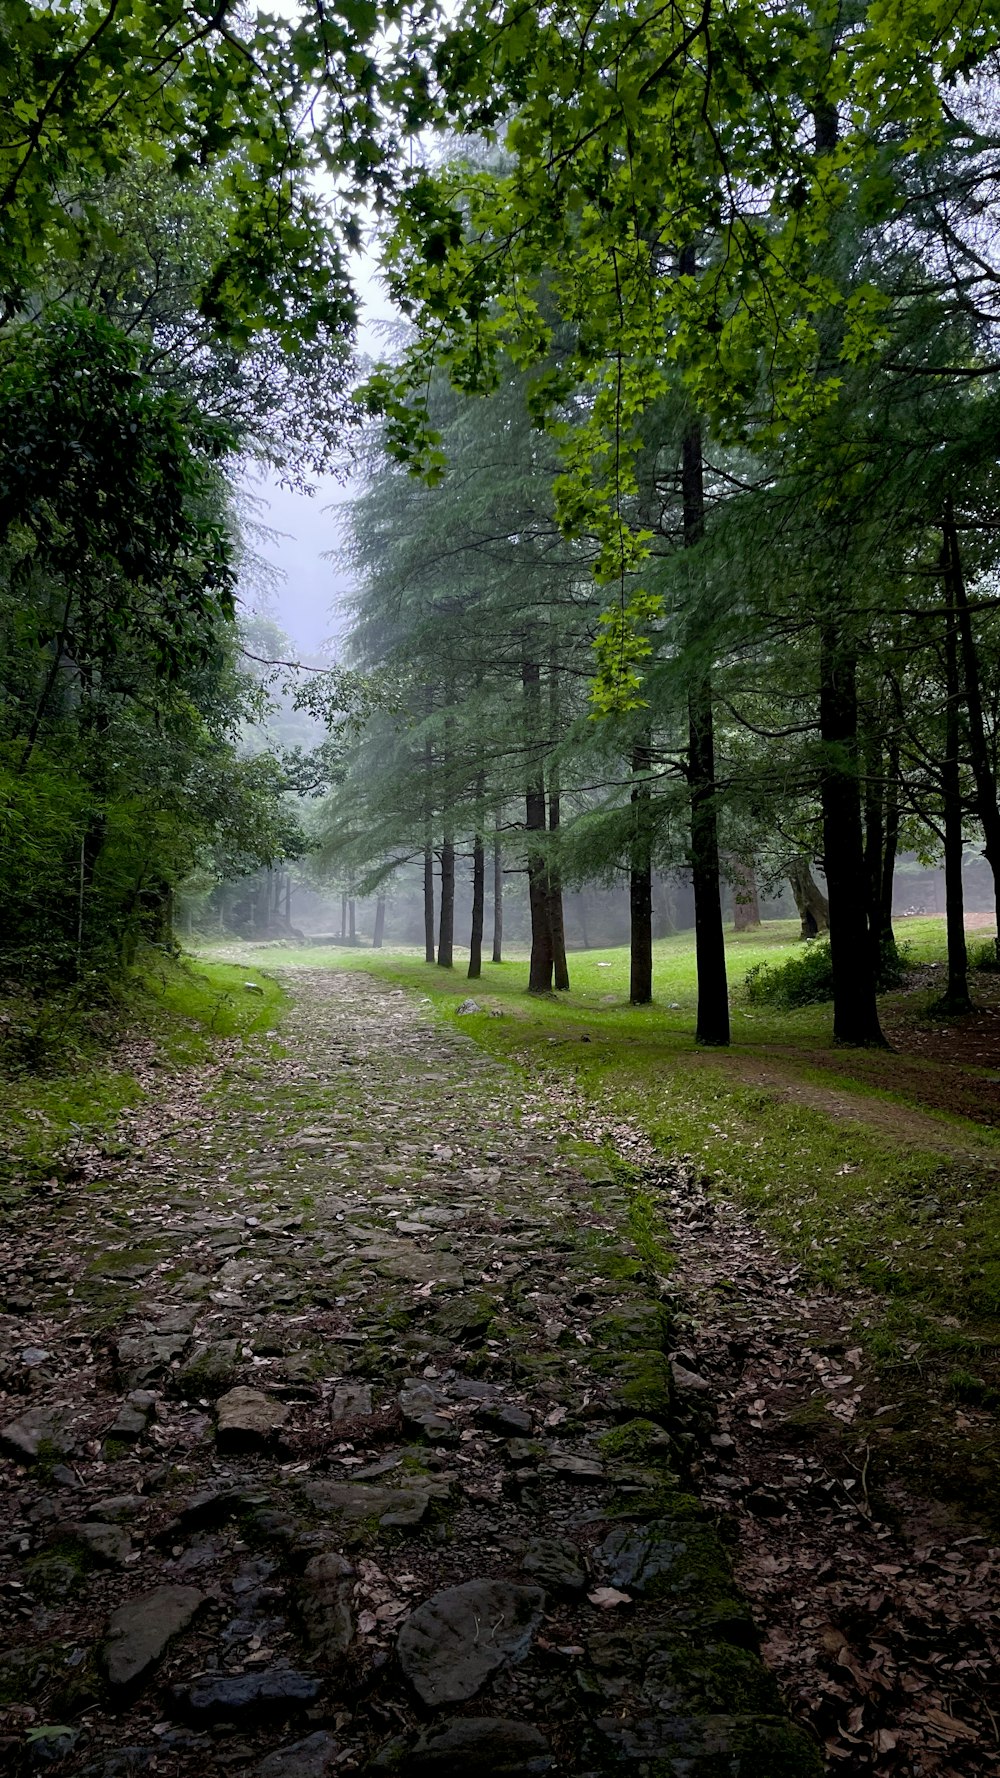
(340, 1435)
(902, 1123)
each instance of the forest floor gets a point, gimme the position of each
(510, 1308)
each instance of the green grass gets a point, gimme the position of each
(81, 1083)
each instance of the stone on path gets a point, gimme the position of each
(144, 1356)
(351, 1399)
(507, 1419)
(106, 1543)
(311, 1758)
(555, 1564)
(276, 1693)
(38, 1432)
(578, 1469)
(451, 1644)
(489, 1746)
(324, 1605)
(393, 1507)
(139, 1631)
(133, 1416)
(247, 1419)
(209, 1369)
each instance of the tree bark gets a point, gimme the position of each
(641, 881)
(352, 930)
(428, 904)
(746, 901)
(541, 965)
(343, 916)
(379, 929)
(855, 1009)
(957, 996)
(478, 890)
(557, 923)
(497, 897)
(987, 806)
(874, 800)
(891, 843)
(710, 943)
(446, 928)
(812, 905)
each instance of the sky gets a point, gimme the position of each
(304, 600)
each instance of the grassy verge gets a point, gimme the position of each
(67, 1065)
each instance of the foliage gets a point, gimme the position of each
(121, 702)
(807, 979)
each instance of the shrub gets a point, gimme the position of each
(807, 979)
(984, 956)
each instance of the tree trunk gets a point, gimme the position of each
(428, 904)
(428, 840)
(478, 889)
(874, 843)
(710, 942)
(640, 881)
(557, 923)
(891, 843)
(746, 901)
(541, 964)
(663, 920)
(446, 929)
(343, 917)
(855, 1009)
(352, 927)
(957, 997)
(987, 807)
(812, 905)
(379, 930)
(497, 898)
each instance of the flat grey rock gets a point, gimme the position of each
(351, 1399)
(139, 1631)
(311, 1758)
(37, 1432)
(119, 1506)
(451, 1644)
(488, 1746)
(323, 1598)
(145, 1355)
(394, 1507)
(247, 1420)
(129, 1424)
(276, 1693)
(637, 1557)
(208, 1369)
(106, 1543)
(507, 1419)
(555, 1564)
(578, 1469)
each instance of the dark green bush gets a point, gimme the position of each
(983, 957)
(807, 979)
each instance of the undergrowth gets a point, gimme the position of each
(67, 1058)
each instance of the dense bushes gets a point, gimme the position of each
(807, 979)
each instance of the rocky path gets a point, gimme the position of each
(341, 1434)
